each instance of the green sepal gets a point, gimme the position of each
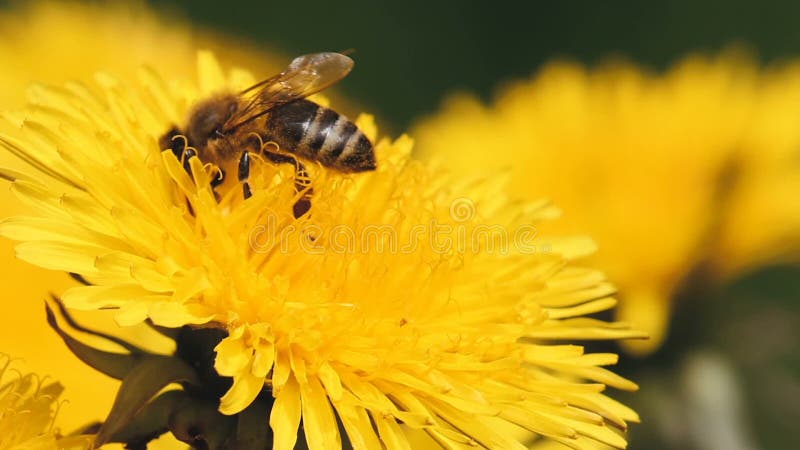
(199, 423)
(251, 431)
(152, 374)
(171, 333)
(109, 337)
(115, 365)
(151, 421)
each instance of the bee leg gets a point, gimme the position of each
(302, 183)
(188, 154)
(244, 174)
(174, 140)
(216, 182)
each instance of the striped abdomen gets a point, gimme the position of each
(320, 134)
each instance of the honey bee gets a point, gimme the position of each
(221, 129)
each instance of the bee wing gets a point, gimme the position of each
(306, 75)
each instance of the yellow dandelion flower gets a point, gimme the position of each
(55, 42)
(28, 406)
(644, 164)
(404, 299)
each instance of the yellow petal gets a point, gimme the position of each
(319, 422)
(244, 390)
(285, 416)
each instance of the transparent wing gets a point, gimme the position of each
(306, 75)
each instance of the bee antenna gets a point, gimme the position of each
(347, 52)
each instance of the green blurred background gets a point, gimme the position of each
(410, 53)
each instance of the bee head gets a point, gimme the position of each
(209, 117)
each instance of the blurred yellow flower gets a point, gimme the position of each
(55, 42)
(760, 218)
(698, 166)
(28, 406)
(401, 298)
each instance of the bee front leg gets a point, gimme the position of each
(244, 174)
(174, 140)
(217, 181)
(188, 154)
